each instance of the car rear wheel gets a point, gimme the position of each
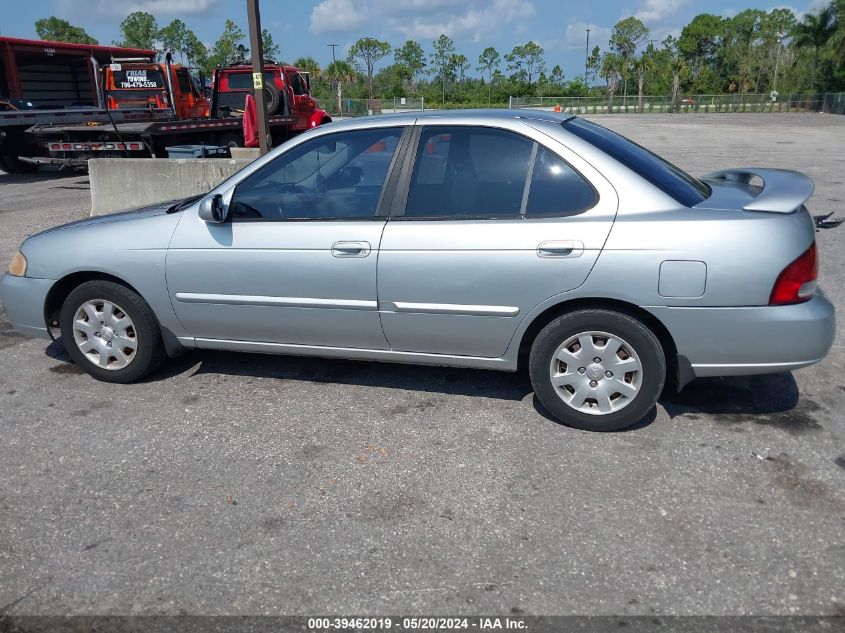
(111, 332)
(597, 370)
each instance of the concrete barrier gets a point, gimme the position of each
(250, 153)
(124, 183)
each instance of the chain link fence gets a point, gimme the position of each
(828, 102)
(364, 107)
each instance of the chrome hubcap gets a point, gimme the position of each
(596, 373)
(105, 334)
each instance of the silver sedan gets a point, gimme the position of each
(490, 239)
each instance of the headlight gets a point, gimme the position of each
(18, 265)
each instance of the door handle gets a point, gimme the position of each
(560, 249)
(351, 249)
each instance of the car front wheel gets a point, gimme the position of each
(597, 370)
(111, 332)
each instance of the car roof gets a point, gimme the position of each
(477, 116)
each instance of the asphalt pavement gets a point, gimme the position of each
(249, 484)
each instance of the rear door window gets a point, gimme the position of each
(556, 188)
(468, 171)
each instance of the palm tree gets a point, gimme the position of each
(611, 64)
(642, 64)
(815, 31)
(340, 72)
(309, 65)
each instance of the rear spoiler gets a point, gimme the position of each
(783, 190)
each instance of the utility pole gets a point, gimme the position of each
(255, 44)
(587, 61)
(333, 46)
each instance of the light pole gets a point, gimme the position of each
(587, 62)
(333, 46)
(254, 17)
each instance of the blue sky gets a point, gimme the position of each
(306, 28)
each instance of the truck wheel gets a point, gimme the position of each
(274, 98)
(232, 140)
(11, 165)
(597, 370)
(111, 332)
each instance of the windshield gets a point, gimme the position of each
(661, 173)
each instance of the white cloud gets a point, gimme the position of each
(337, 16)
(420, 19)
(125, 7)
(656, 10)
(575, 36)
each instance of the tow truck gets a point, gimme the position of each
(138, 107)
(51, 82)
(292, 110)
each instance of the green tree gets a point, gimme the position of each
(610, 70)
(196, 52)
(643, 65)
(556, 77)
(340, 73)
(627, 36)
(814, 32)
(309, 65)
(229, 46)
(269, 48)
(593, 65)
(366, 53)
(442, 62)
(488, 62)
(173, 38)
(58, 30)
(699, 43)
(140, 30)
(526, 60)
(461, 64)
(411, 56)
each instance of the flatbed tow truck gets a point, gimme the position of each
(141, 107)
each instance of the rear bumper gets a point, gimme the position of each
(751, 340)
(23, 300)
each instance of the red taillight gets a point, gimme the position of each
(797, 282)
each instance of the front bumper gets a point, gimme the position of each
(751, 340)
(23, 300)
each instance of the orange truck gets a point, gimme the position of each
(135, 83)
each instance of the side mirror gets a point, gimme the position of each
(212, 209)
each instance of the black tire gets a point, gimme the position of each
(231, 140)
(11, 165)
(273, 97)
(634, 333)
(149, 350)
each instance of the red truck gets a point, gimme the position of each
(117, 113)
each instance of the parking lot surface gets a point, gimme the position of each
(248, 484)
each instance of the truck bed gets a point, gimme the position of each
(151, 128)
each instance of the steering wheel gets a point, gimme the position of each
(291, 188)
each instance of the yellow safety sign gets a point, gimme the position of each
(258, 81)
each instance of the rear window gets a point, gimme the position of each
(661, 173)
(243, 81)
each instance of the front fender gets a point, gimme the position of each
(318, 117)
